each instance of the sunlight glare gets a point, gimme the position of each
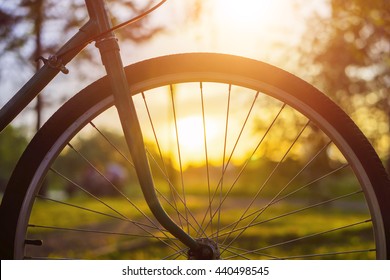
(246, 14)
(191, 137)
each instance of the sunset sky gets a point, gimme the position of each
(264, 30)
(269, 31)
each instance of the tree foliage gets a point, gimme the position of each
(23, 21)
(347, 53)
(351, 47)
(33, 28)
(12, 144)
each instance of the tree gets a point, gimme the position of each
(347, 52)
(12, 144)
(33, 28)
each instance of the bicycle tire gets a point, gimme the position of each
(30, 171)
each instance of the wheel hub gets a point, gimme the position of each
(207, 250)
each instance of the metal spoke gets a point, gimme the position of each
(179, 155)
(246, 252)
(272, 201)
(329, 254)
(209, 209)
(235, 254)
(116, 211)
(245, 165)
(96, 231)
(224, 154)
(175, 255)
(186, 207)
(306, 237)
(164, 170)
(81, 230)
(98, 212)
(252, 224)
(158, 166)
(265, 184)
(112, 144)
(225, 165)
(170, 204)
(46, 258)
(86, 191)
(310, 184)
(112, 185)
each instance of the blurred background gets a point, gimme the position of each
(342, 47)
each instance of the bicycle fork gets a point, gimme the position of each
(110, 54)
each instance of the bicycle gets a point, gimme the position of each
(289, 177)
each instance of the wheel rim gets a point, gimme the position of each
(252, 84)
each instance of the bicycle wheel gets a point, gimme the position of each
(245, 157)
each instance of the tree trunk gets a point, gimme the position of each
(38, 52)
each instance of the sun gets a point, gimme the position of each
(191, 132)
(191, 137)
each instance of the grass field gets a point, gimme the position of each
(279, 232)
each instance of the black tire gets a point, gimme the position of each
(29, 173)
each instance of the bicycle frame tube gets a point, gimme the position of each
(43, 77)
(109, 50)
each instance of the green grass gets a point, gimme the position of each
(266, 234)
